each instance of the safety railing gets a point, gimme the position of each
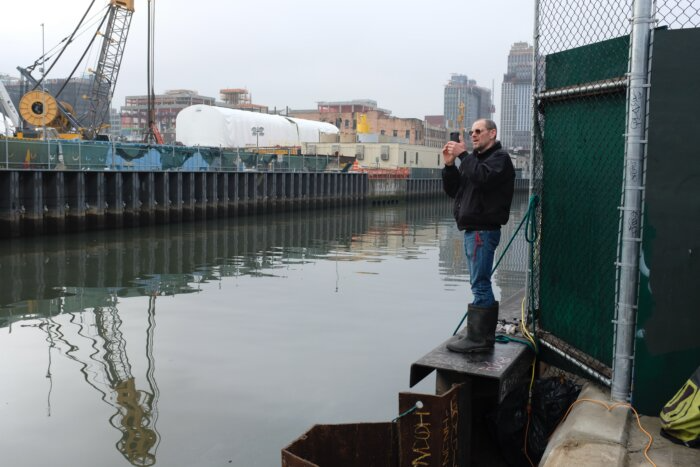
(57, 154)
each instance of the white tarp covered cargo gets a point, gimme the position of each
(205, 125)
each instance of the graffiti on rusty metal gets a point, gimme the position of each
(428, 437)
(421, 451)
(450, 440)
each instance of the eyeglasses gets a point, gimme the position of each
(477, 132)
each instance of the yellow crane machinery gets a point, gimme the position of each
(41, 109)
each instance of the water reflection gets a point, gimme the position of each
(94, 340)
(270, 346)
(86, 270)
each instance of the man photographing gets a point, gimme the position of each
(482, 188)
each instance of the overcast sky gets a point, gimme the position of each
(292, 53)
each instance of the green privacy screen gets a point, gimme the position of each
(581, 168)
(668, 325)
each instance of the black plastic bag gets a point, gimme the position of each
(551, 397)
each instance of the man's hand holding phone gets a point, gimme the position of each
(453, 148)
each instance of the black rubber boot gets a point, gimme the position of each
(481, 331)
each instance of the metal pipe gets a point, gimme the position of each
(533, 127)
(577, 363)
(529, 273)
(630, 231)
(575, 91)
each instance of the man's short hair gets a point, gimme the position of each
(489, 124)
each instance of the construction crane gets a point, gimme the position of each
(152, 133)
(40, 108)
(8, 108)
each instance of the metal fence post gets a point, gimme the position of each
(533, 132)
(630, 231)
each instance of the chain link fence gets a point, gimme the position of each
(512, 254)
(677, 14)
(582, 51)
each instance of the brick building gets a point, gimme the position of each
(134, 114)
(362, 120)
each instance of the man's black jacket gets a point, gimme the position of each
(482, 188)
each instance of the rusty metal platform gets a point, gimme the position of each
(430, 431)
(496, 371)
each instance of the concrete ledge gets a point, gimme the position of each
(591, 435)
(586, 455)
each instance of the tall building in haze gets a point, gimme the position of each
(516, 98)
(466, 101)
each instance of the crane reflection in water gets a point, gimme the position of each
(105, 366)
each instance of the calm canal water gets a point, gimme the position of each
(219, 343)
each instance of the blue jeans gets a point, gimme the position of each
(480, 247)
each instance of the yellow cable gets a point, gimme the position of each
(528, 335)
(529, 412)
(523, 327)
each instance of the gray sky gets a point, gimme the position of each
(292, 53)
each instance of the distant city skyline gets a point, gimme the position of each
(516, 98)
(465, 102)
(292, 54)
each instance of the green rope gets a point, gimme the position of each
(525, 218)
(505, 339)
(418, 405)
(461, 321)
(531, 237)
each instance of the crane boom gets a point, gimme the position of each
(107, 71)
(118, 18)
(8, 106)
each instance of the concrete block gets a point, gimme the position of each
(585, 454)
(591, 431)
